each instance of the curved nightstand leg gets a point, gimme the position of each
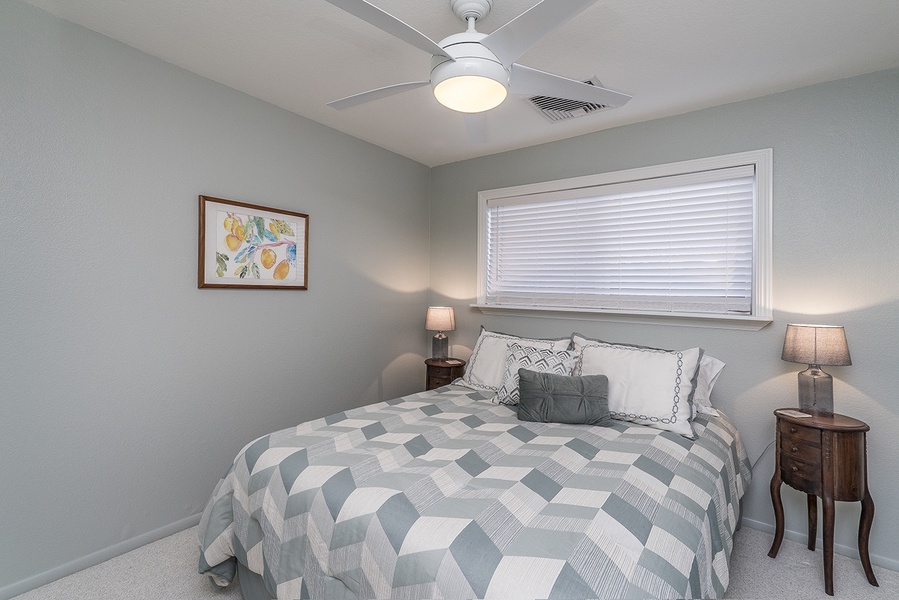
(778, 514)
(864, 532)
(812, 520)
(827, 505)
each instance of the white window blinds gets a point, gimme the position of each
(679, 244)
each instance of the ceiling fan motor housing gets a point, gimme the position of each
(473, 79)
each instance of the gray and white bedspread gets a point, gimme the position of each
(444, 494)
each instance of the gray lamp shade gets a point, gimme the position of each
(816, 345)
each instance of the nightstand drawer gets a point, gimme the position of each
(796, 433)
(801, 475)
(441, 371)
(800, 450)
(437, 381)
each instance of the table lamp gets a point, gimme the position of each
(816, 345)
(440, 319)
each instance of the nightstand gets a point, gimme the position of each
(443, 371)
(823, 455)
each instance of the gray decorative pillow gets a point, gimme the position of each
(534, 359)
(551, 398)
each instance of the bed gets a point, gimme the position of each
(449, 494)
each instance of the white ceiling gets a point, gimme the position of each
(672, 56)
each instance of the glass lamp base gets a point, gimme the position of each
(816, 390)
(440, 346)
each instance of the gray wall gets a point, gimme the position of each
(836, 259)
(125, 389)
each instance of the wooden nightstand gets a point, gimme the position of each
(443, 371)
(823, 455)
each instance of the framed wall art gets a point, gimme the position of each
(255, 247)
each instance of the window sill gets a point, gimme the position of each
(748, 323)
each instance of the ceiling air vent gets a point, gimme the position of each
(562, 109)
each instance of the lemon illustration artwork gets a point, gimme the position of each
(233, 242)
(282, 270)
(268, 258)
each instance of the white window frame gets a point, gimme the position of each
(761, 306)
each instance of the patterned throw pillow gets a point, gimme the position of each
(542, 360)
(487, 363)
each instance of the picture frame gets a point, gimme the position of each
(249, 246)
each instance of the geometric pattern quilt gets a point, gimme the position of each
(444, 494)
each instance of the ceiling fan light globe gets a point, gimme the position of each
(469, 84)
(470, 93)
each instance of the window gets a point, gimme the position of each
(687, 240)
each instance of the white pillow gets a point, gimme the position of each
(578, 341)
(487, 364)
(709, 370)
(649, 386)
(540, 360)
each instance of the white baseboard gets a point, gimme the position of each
(95, 558)
(802, 538)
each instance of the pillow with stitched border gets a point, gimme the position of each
(578, 341)
(709, 370)
(649, 386)
(552, 398)
(487, 364)
(541, 360)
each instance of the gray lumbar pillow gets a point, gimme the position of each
(552, 398)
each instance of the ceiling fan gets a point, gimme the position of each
(472, 72)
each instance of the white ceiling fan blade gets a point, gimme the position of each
(516, 37)
(377, 94)
(387, 22)
(525, 81)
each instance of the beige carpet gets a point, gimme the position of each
(798, 573)
(166, 570)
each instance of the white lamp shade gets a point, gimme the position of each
(816, 345)
(440, 318)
